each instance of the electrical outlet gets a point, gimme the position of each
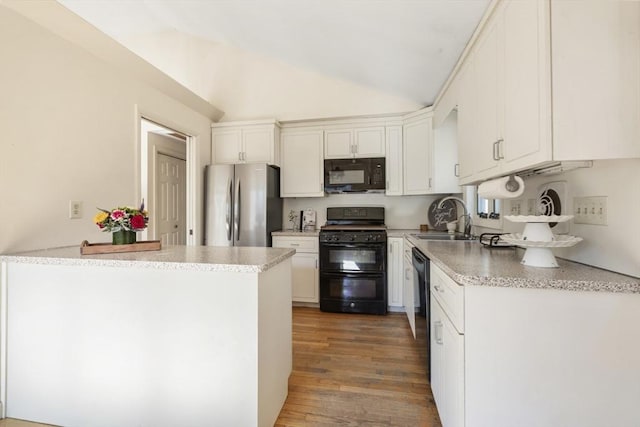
(516, 207)
(75, 209)
(590, 210)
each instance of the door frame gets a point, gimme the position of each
(142, 171)
(176, 149)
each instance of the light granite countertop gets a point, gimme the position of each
(401, 232)
(203, 258)
(292, 233)
(471, 264)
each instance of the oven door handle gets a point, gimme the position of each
(372, 245)
(363, 274)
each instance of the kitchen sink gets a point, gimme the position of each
(442, 236)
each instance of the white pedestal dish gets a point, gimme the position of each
(538, 239)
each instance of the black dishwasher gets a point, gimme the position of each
(421, 274)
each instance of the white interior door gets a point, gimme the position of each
(171, 200)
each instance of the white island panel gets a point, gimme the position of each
(105, 346)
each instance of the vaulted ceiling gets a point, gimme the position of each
(397, 52)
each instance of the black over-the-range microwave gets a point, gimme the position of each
(364, 175)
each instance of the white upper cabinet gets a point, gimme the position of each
(226, 145)
(338, 143)
(486, 68)
(445, 154)
(467, 116)
(302, 165)
(501, 96)
(596, 79)
(430, 158)
(512, 116)
(417, 147)
(393, 161)
(354, 142)
(369, 142)
(246, 142)
(525, 109)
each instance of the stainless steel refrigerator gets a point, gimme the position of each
(242, 204)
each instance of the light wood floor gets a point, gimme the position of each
(357, 370)
(351, 370)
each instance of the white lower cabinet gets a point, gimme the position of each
(395, 273)
(447, 366)
(304, 266)
(530, 357)
(408, 289)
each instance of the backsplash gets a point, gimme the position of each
(401, 212)
(614, 246)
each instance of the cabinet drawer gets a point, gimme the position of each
(406, 250)
(450, 295)
(300, 244)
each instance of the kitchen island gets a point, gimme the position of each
(195, 336)
(518, 345)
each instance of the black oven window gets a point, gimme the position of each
(350, 259)
(353, 288)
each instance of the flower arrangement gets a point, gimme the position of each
(122, 218)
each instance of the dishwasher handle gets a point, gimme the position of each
(419, 260)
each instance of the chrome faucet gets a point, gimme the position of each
(467, 223)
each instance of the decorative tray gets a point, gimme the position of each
(538, 218)
(559, 241)
(87, 248)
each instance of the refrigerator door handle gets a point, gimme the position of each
(229, 210)
(238, 212)
(236, 208)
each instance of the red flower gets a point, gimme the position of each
(137, 222)
(117, 214)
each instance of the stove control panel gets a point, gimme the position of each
(353, 237)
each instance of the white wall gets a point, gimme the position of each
(251, 86)
(615, 246)
(69, 131)
(402, 212)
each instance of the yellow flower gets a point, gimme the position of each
(99, 217)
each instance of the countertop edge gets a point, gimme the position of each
(97, 261)
(519, 282)
(292, 233)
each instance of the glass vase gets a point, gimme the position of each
(124, 237)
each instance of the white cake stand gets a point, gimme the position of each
(538, 239)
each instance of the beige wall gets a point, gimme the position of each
(69, 131)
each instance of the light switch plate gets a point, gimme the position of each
(75, 209)
(590, 210)
(516, 207)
